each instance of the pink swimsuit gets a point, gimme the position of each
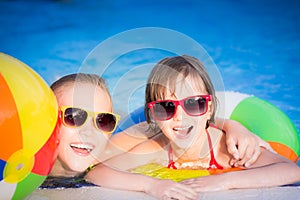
(213, 164)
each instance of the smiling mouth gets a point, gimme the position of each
(82, 149)
(182, 132)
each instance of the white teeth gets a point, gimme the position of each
(183, 132)
(180, 128)
(89, 148)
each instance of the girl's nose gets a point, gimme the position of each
(179, 114)
(88, 128)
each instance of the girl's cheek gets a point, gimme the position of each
(105, 137)
(102, 138)
(201, 124)
(66, 133)
(163, 125)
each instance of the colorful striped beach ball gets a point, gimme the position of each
(28, 116)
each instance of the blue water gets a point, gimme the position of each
(254, 43)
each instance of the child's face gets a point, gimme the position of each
(182, 129)
(79, 146)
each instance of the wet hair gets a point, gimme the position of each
(80, 78)
(164, 75)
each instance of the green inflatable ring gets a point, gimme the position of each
(267, 121)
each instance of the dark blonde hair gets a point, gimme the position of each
(81, 78)
(164, 75)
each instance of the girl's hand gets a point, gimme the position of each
(242, 144)
(206, 183)
(167, 189)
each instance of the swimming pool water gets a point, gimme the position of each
(255, 44)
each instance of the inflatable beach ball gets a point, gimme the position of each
(263, 119)
(28, 116)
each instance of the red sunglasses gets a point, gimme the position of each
(76, 117)
(166, 109)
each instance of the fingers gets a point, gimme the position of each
(180, 194)
(188, 181)
(198, 184)
(206, 183)
(185, 192)
(253, 158)
(232, 148)
(241, 152)
(249, 155)
(245, 158)
(243, 147)
(180, 191)
(244, 151)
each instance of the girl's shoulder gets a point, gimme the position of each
(213, 128)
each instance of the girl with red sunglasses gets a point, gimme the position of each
(181, 104)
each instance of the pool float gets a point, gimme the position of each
(259, 116)
(28, 118)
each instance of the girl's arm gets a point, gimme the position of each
(126, 140)
(112, 173)
(150, 151)
(242, 144)
(268, 171)
(162, 189)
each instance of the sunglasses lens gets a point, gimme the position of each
(195, 106)
(164, 110)
(106, 122)
(75, 116)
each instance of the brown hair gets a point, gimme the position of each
(165, 73)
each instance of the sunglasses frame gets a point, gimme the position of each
(207, 98)
(90, 114)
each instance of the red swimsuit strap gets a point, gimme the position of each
(213, 164)
(171, 164)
